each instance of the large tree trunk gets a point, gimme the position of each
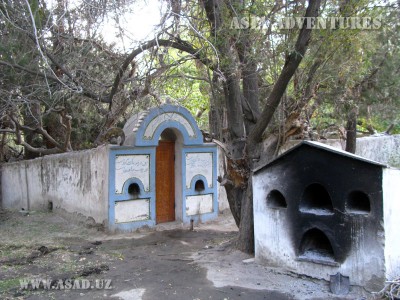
(291, 65)
(241, 204)
(351, 131)
(245, 240)
(251, 95)
(242, 110)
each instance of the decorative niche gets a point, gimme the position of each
(316, 247)
(275, 199)
(199, 186)
(358, 203)
(134, 190)
(316, 200)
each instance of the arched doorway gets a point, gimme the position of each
(165, 177)
(165, 172)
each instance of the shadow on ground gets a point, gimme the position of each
(170, 264)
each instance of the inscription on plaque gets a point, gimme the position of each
(132, 166)
(199, 164)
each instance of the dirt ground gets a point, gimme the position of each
(83, 262)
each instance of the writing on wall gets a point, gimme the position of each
(199, 164)
(132, 166)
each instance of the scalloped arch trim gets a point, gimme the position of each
(168, 116)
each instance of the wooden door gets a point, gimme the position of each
(165, 182)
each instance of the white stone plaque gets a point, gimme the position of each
(132, 210)
(197, 205)
(132, 166)
(157, 121)
(199, 164)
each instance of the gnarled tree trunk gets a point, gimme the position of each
(351, 131)
(245, 123)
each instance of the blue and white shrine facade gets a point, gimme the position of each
(164, 172)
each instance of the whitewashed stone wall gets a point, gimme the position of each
(76, 182)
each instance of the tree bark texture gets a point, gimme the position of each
(351, 131)
(245, 123)
(291, 65)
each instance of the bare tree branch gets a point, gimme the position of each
(287, 72)
(58, 148)
(32, 72)
(179, 45)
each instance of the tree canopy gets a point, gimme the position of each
(255, 74)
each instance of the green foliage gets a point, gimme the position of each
(187, 83)
(359, 68)
(354, 68)
(39, 13)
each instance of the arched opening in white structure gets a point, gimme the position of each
(199, 186)
(134, 190)
(169, 176)
(275, 199)
(358, 203)
(316, 246)
(316, 200)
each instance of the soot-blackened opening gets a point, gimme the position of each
(199, 186)
(316, 200)
(358, 203)
(134, 190)
(315, 246)
(50, 206)
(275, 199)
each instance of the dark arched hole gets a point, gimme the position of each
(275, 199)
(134, 190)
(199, 186)
(316, 246)
(358, 202)
(316, 200)
(50, 206)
